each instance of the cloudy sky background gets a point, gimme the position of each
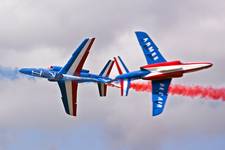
(44, 33)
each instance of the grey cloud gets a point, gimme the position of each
(57, 23)
(41, 33)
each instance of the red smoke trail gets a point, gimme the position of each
(191, 91)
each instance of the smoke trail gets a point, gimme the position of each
(190, 91)
(11, 73)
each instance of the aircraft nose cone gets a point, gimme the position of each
(25, 71)
(207, 65)
(210, 65)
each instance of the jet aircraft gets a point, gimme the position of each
(158, 70)
(71, 74)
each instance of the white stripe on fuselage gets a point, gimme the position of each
(174, 68)
(68, 77)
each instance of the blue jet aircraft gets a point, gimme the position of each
(71, 74)
(158, 70)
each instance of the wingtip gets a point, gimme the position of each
(156, 113)
(92, 39)
(139, 32)
(89, 38)
(114, 58)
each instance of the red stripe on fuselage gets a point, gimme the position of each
(175, 74)
(191, 63)
(165, 76)
(171, 63)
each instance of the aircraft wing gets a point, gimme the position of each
(76, 62)
(73, 67)
(149, 48)
(69, 96)
(159, 95)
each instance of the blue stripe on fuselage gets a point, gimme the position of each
(133, 75)
(93, 76)
(82, 74)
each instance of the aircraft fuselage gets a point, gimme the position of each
(165, 70)
(53, 75)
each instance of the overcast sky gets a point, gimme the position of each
(45, 32)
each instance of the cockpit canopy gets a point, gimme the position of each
(55, 68)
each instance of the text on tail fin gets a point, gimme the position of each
(149, 48)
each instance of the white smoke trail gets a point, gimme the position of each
(12, 74)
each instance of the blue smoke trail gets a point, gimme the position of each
(11, 73)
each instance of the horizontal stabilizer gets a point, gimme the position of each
(107, 69)
(121, 67)
(124, 83)
(102, 87)
(125, 86)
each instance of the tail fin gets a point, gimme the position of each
(102, 87)
(107, 69)
(125, 83)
